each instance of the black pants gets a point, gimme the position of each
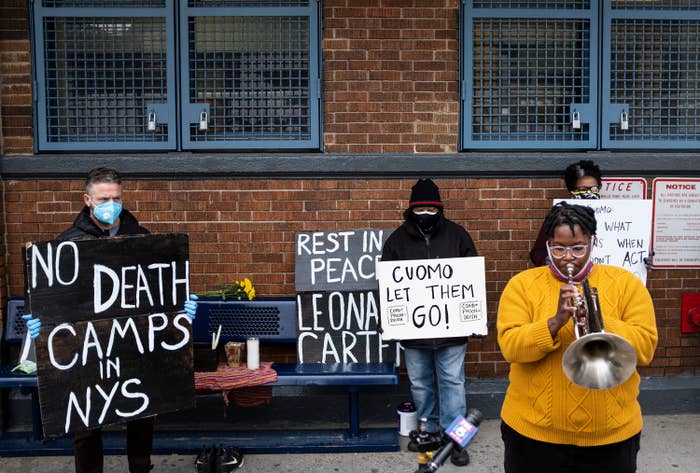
(524, 455)
(139, 443)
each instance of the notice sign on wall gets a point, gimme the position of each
(432, 298)
(337, 300)
(623, 235)
(676, 233)
(623, 188)
(110, 349)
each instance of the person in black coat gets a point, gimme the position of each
(435, 366)
(103, 216)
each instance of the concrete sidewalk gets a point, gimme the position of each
(669, 444)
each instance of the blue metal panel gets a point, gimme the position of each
(651, 73)
(255, 65)
(101, 69)
(527, 72)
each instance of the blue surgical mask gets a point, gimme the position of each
(108, 212)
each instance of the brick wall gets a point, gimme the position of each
(242, 228)
(390, 76)
(390, 85)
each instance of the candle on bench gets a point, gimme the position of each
(253, 353)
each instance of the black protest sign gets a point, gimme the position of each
(341, 260)
(107, 277)
(113, 370)
(342, 327)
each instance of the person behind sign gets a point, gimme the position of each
(548, 423)
(435, 366)
(583, 181)
(103, 216)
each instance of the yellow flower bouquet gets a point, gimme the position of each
(239, 290)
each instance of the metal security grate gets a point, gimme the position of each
(553, 4)
(655, 71)
(104, 3)
(253, 74)
(100, 75)
(526, 73)
(655, 5)
(243, 321)
(247, 3)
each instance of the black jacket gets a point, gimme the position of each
(84, 227)
(447, 240)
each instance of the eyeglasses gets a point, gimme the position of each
(587, 189)
(577, 251)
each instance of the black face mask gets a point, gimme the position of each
(426, 222)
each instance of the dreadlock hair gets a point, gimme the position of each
(575, 171)
(570, 215)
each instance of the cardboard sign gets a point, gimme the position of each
(333, 261)
(109, 371)
(337, 299)
(623, 235)
(107, 277)
(342, 327)
(432, 298)
(676, 232)
(96, 369)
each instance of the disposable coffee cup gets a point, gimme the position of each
(407, 419)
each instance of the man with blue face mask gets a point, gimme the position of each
(103, 216)
(435, 366)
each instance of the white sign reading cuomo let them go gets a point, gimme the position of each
(432, 298)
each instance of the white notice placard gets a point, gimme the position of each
(623, 188)
(676, 235)
(432, 298)
(623, 235)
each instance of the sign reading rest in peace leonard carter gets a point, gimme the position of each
(337, 299)
(111, 348)
(432, 298)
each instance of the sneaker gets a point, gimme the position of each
(414, 445)
(459, 456)
(203, 462)
(227, 460)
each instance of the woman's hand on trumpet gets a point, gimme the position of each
(567, 308)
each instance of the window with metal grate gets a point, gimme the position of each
(107, 74)
(534, 75)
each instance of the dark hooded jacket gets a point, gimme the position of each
(446, 240)
(85, 228)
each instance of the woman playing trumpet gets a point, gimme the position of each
(550, 424)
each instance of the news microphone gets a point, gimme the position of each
(460, 432)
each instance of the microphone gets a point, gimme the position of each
(459, 433)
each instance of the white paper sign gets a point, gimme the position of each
(432, 298)
(676, 236)
(623, 233)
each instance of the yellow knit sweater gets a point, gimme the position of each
(541, 403)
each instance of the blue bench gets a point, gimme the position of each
(271, 321)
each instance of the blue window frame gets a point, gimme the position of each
(107, 74)
(544, 74)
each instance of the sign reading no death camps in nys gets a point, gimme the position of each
(111, 348)
(337, 299)
(623, 235)
(432, 298)
(676, 232)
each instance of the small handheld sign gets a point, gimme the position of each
(432, 298)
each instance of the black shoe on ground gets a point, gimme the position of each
(228, 459)
(203, 462)
(459, 457)
(414, 445)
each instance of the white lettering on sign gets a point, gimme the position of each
(51, 266)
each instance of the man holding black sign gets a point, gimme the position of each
(435, 366)
(102, 217)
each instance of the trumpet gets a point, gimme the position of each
(596, 359)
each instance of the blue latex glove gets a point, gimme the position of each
(191, 307)
(33, 325)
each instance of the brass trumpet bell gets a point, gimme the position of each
(599, 361)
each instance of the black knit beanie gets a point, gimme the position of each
(425, 194)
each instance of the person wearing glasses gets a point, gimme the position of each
(548, 422)
(583, 180)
